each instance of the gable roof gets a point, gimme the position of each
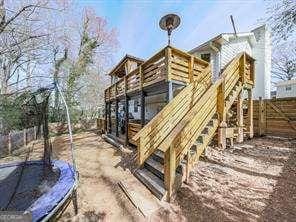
(224, 37)
(121, 63)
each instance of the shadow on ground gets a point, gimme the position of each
(255, 181)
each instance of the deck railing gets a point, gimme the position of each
(169, 64)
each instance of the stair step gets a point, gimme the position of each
(210, 123)
(197, 144)
(201, 138)
(155, 167)
(205, 131)
(152, 182)
(158, 156)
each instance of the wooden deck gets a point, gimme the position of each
(169, 64)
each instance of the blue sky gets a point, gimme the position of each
(137, 21)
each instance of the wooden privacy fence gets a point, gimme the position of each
(16, 139)
(276, 117)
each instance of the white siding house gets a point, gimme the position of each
(224, 47)
(286, 89)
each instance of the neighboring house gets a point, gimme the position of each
(223, 48)
(273, 94)
(286, 89)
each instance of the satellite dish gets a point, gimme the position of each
(168, 23)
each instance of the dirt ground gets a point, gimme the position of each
(253, 181)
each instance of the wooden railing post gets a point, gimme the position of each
(141, 77)
(142, 108)
(242, 67)
(222, 116)
(168, 55)
(240, 118)
(116, 89)
(169, 170)
(190, 71)
(125, 84)
(250, 113)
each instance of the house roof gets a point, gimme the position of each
(120, 64)
(222, 38)
(287, 82)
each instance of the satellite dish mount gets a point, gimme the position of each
(169, 23)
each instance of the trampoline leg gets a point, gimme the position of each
(75, 203)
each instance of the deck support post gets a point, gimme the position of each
(169, 171)
(222, 134)
(240, 118)
(170, 91)
(187, 167)
(106, 117)
(109, 114)
(250, 113)
(126, 119)
(116, 118)
(142, 108)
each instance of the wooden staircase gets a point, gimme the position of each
(172, 142)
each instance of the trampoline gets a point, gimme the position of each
(41, 195)
(40, 188)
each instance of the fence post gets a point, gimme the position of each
(25, 136)
(9, 143)
(261, 117)
(35, 132)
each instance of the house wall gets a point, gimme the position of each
(230, 49)
(260, 50)
(262, 56)
(215, 61)
(153, 104)
(282, 92)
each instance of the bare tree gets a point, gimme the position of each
(282, 18)
(43, 41)
(284, 61)
(25, 40)
(97, 43)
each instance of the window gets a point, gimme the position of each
(206, 57)
(288, 88)
(136, 106)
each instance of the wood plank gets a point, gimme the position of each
(177, 67)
